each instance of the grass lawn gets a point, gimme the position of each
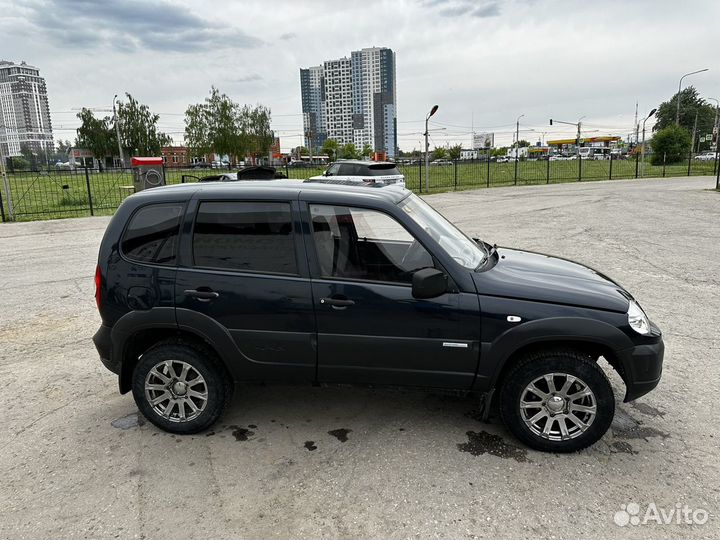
(59, 194)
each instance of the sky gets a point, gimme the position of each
(483, 62)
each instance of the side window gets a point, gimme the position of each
(346, 169)
(356, 243)
(333, 170)
(152, 234)
(247, 236)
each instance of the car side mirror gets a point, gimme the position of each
(429, 283)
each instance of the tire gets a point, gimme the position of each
(574, 422)
(186, 400)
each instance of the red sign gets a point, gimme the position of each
(139, 161)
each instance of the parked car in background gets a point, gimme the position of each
(201, 165)
(441, 162)
(202, 286)
(706, 156)
(357, 172)
(502, 159)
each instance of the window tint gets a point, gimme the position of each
(356, 243)
(250, 236)
(382, 169)
(333, 170)
(152, 234)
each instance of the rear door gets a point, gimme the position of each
(242, 271)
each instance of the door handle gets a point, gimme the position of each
(202, 295)
(337, 303)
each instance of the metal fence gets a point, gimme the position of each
(50, 194)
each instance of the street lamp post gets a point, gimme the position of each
(642, 148)
(517, 144)
(677, 117)
(427, 159)
(117, 133)
(716, 131)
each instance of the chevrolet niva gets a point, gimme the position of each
(203, 286)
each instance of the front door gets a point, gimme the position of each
(370, 327)
(242, 272)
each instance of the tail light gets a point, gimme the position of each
(98, 285)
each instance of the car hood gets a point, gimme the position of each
(533, 276)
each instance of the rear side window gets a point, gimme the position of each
(247, 236)
(152, 234)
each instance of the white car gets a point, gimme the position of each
(707, 156)
(356, 172)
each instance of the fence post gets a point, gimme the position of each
(420, 173)
(2, 208)
(455, 171)
(579, 160)
(611, 160)
(664, 157)
(689, 161)
(637, 163)
(516, 166)
(287, 170)
(488, 170)
(87, 183)
(547, 174)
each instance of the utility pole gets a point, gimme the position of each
(692, 145)
(6, 183)
(637, 125)
(117, 133)
(517, 145)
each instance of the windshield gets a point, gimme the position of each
(461, 248)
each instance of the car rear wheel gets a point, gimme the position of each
(557, 401)
(180, 388)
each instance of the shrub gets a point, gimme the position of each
(673, 142)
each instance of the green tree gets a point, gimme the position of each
(690, 104)
(63, 147)
(255, 132)
(454, 151)
(439, 153)
(672, 143)
(224, 127)
(349, 152)
(523, 143)
(139, 134)
(330, 148)
(367, 150)
(96, 134)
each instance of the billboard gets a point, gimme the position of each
(483, 140)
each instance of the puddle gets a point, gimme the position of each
(625, 426)
(129, 421)
(622, 447)
(341, 434)
(487, 443)
(310, 445)
(241, 434)
(646, 409)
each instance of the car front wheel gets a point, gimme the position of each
(180, 388)
(557, 401)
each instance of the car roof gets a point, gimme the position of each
(363, 162)
(282, 188)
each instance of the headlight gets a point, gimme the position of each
(637, 319)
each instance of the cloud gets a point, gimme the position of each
(459, 8)
(130, 25)
(250, 77)
(288, 35)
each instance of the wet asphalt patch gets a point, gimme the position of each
(487, 443)
(340, 434)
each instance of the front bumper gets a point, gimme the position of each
(103, 344)
(642, 365)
